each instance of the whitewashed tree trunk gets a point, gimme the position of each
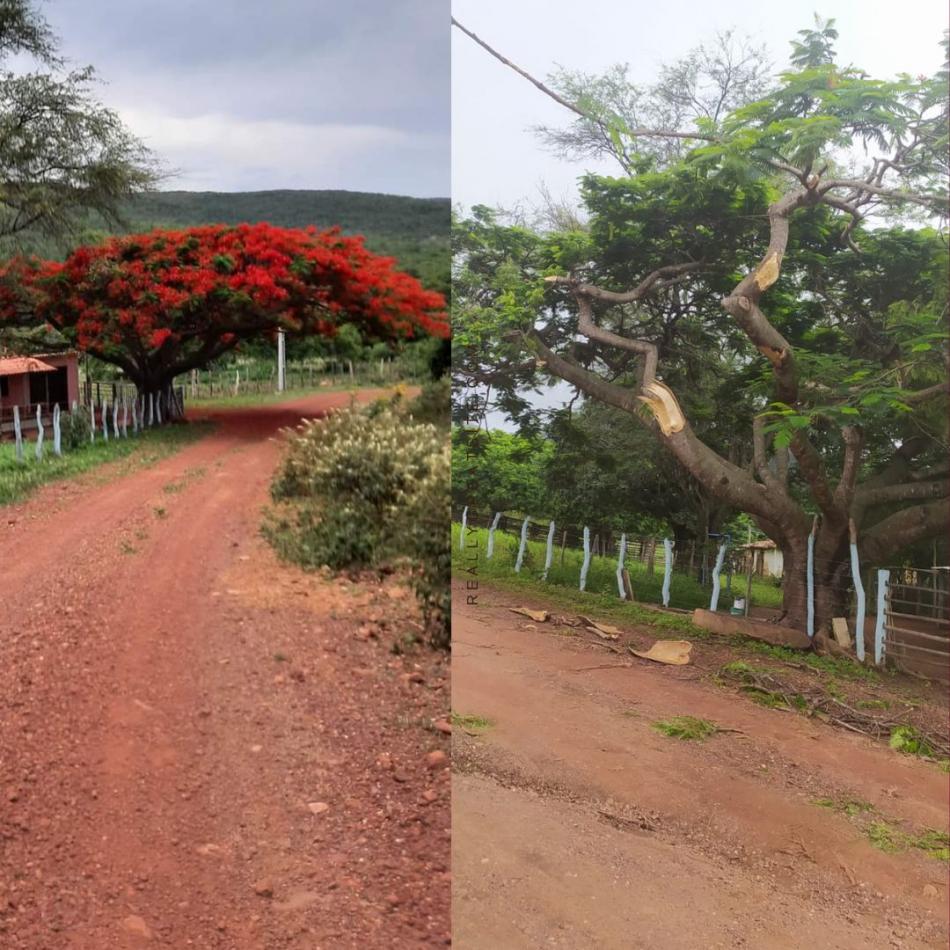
(105, 419)
(57, 432)
(464, 526)
(18, 433)
(151, 409)
(115, 419)
(125, 416)
(92, 420)
(717, 570)
(667, 570)
(39, 433)
(549, 552)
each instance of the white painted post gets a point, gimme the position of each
(620, 560)
(858, 592)
(810, 579)
(490, 549)
(151, 409)
(464, 526)
(667, 570)
(281, 361)
(105, 419)
(883, 578)
(522, 546)
(158, 408)
(717, 569)
(92, 420)
(18, 433)
(115, 419)
(585, 567)
(39, 433)
(57, 433)
(549, 553)
(125, 415)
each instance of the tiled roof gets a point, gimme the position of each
(17, 365)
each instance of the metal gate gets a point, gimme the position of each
(917, 621)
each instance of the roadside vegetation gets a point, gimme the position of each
(20, 479)
(368, 489)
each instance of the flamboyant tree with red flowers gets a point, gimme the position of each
(160, 304)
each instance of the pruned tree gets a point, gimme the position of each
(832, 333)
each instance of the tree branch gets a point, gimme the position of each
(902, 529)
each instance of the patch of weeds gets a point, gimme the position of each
(173, 488)
(873, 704)
(736, 668)
(883, 836)
(934, 843)
(141, 534)
(471, 722)
(909, 741)
(687, 728)
(126, 547)
(160, 511)
(404, 643)
(281, 657)
(851, 807)
(834, 665)
(193, 473)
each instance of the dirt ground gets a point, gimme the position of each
(576, 824)
(199, 746)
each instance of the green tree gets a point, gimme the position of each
(749, 254)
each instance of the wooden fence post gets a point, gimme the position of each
(549, 552)
(651, 557)
(585, 567)
(522, 545)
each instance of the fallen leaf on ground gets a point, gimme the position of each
(672, 652)
(539, 615)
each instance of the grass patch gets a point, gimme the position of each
(473, 723)
(889, 838)
(685, 591)
(873, 704)
(19, 480)
(687, 728)
(852, 807)
(159, 511)
(832, 665)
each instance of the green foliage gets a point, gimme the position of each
(364, 488)
(74, 430)
(909, 741)
(688, 728)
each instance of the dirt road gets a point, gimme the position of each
(200, 747)
(576, 824)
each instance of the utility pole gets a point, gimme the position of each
(281, 361)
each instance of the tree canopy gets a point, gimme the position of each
(767, 301)
(161, 303)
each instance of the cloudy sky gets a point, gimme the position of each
(497, 160)
(248, 95)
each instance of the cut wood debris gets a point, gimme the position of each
(671, 652)
(538, 615)
(603, 630)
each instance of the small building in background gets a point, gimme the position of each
(767, 560)
(44, 379)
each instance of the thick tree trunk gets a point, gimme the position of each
(832, 580)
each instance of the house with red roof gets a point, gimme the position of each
(44, 379)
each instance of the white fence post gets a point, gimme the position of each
(464, 525)
(39, 433)
(667, 570)
(18, 433)
(585, 567)
(620, 559)
(717, 570)
(522, 545)
(490, 549)
(115, 419)
(883, 578)
(57, 432)
(549, 553)
(105, 419)
(92, 419)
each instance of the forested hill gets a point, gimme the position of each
(413, 230)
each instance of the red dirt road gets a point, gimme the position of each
(199, 746)
(575, 824)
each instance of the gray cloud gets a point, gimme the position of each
(285, 94)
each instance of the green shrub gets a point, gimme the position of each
(73, 429)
